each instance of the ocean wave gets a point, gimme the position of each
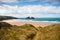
(39, 20)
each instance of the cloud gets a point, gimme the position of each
(47, 1)
(30, 10)
(27, 0)
(52, 1)
(9, 1)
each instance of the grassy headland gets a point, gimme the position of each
(6, 18)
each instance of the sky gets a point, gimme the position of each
(35, 8)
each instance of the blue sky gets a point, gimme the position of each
(35, 8)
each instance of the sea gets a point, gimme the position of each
(52, 20)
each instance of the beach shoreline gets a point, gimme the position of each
(36, 24)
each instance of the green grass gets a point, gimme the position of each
(29, 32)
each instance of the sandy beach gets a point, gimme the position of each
(36, 24)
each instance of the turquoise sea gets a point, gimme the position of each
(54, 20)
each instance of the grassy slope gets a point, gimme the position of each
(29, 32)
(25, 32)
(51, 32)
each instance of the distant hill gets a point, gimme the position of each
(6, 18)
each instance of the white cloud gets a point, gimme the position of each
(28, 0)
(9, 1)
(52, 1)
(30, 10)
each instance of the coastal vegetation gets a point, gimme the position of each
(29, 32)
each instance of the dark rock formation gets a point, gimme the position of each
(30, 18)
